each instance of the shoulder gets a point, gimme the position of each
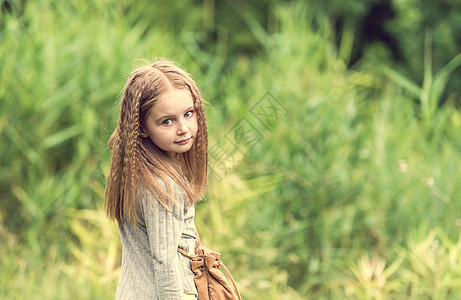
(161, 191)
(171, 187)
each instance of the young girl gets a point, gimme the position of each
(158, 171)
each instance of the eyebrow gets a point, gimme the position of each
(172, 116)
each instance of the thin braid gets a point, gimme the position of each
(115, 176)
(133, 150)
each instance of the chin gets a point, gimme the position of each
(182, 151)
(186, 150)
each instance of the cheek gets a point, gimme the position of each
(158, 136)
(195, 125)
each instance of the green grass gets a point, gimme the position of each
(351, 190)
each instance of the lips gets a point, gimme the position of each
(183, 141)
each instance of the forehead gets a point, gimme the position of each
(173, 102)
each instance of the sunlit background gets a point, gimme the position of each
(335, 138)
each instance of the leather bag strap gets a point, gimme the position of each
(198, 237)
(183, 252)
(221, 264)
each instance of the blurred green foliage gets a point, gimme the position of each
(343, 184)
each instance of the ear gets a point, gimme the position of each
(143, 132)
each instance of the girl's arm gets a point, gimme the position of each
(200, 249)
(164, 229)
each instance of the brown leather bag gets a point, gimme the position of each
(209, 280)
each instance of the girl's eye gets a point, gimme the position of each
(189, 114)
(167, 122)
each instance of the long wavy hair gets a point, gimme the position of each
(137, 163)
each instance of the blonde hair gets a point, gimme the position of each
(137, 163)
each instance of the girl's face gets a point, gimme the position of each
(171, 123)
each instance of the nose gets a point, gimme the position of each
(182, 127)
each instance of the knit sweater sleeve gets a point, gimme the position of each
(164, 228)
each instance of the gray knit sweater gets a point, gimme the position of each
(151, 266)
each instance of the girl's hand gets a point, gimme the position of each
(201, 250)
